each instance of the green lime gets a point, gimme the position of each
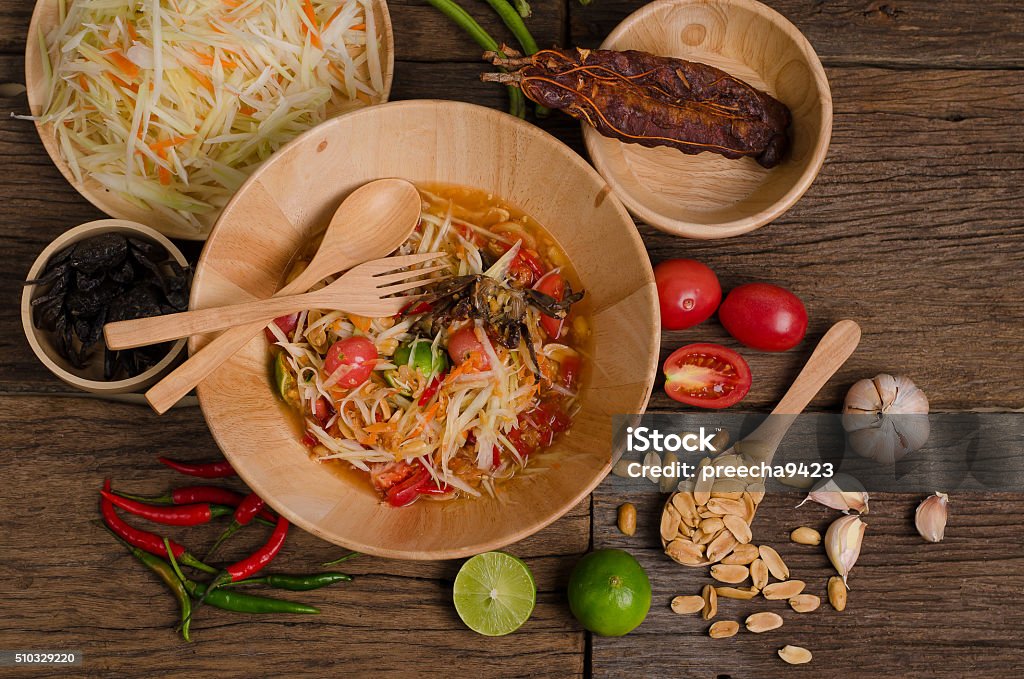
(609, 592)
(494, 593)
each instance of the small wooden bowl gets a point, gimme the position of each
(293, 196)
(91, 377)
(44, 18)
(708, 196)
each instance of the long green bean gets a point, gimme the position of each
(514, 22)
(459, 16)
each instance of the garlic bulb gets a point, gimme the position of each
(842, 492)
(885, 418)
(842, 543)
(930, 518)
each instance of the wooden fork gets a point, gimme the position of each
(365, 290)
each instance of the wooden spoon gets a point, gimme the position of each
(370, 223)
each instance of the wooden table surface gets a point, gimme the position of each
(913, 228)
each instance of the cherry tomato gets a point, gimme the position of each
(553, 286)
(538, 427)
(323, 411)
(688, 293)
(570, 371)
(463, 343)
(764, 316)
(387, 476)
(405, 493)
(285, 323)
(707, 376)
(355, 356)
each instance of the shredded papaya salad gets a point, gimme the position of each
(171, 104)
(458, 392)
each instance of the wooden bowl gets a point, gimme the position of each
(293, 195)
(44, 18)
(90, 378)
(708, 196)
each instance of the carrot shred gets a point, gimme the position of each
(162, 172)
(307, 8)
(83, 82)
(361, 322)
(124, 64)
(357, 27)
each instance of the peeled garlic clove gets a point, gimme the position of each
(886, 418)
(842, 492)
(842, 543)
(930, 517)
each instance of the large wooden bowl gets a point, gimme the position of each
(293, 195)
(708, 196)
(45, 17)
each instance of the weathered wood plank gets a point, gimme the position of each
(901, 33)
(67, 584)
(911, 229)
(915, 609)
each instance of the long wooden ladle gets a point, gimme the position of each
(370, 223)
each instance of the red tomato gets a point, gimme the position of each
(406, 492)
(322, 411)
(707, 376)
(355, 356)
(688, 293)
(552, 286)
(463, 343)
(286, 324)
(570, 371)
(764, 316)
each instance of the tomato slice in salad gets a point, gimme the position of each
(287, 325)
(706, 376)
(552, 285)
(406, 492)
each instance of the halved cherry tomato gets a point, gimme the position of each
(355, 356)
(707, 376)
(552, 285)
(463, 343)
(391, 474)
(285, 323)
(570, 371)
(688, 293)
(538, 427)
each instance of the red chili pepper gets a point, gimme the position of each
(187, 495)
(247, 510)
(174, 515)
(421, 483)
(259, 559)
(207, 470)
(415, 307)
(431, 389)
(144, 540)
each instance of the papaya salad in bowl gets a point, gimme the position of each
(454, 395)
(487, 412)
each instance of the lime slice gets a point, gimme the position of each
(494, 593)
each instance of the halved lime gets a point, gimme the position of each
(494, 593)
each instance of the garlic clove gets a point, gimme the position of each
(843, 541)
(842, 492)
(930, 518)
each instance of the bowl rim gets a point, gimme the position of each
(69, 237)
(736, 227)
(113, 205)
(653, 348)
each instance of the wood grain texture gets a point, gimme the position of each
(954, 34)
(915, 609)
(67, 584)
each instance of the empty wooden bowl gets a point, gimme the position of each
(90, 378)
(294, 194)
(708, 196)
(45, 17)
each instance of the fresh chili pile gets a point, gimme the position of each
(196, 506)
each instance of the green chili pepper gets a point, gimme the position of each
(421, 355)
(294, 583)
(164, 571)
(237, 602)
(350, 555)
